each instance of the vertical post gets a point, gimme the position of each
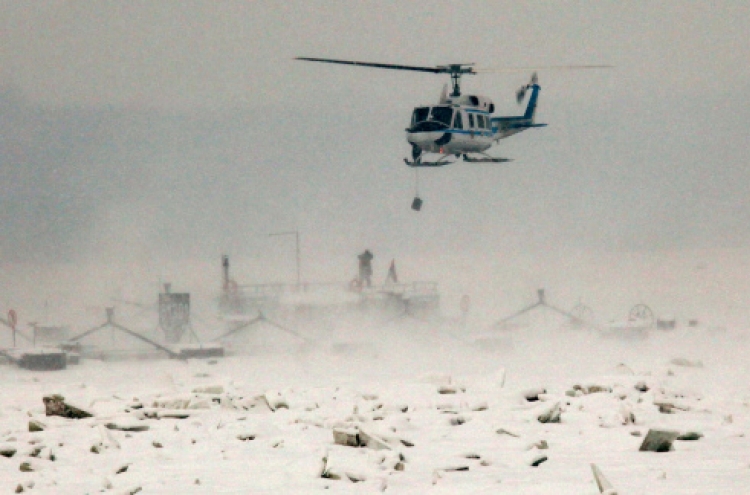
(225, 266)
(12, 322)
(296, 232)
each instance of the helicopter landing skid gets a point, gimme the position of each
(419, 163)
(486, 159)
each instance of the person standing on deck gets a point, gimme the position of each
(365, 268)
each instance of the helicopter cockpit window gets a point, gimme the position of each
(471, 120)
(420, 115)
(458, 123)
(442, 114)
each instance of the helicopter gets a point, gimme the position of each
(460, 126)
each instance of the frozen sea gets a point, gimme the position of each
(449, 408)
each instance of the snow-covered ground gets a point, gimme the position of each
(443, 415)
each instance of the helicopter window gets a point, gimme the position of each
(442, 114)
(420, 115)
(471, 120)
(458, 123)
(480, 121)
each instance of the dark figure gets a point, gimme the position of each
(365, 268)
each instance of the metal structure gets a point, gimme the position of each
(12, 326)
(260, 319)
(174, 314)
(38, 360)
(542, 303)
(640, 320)
(175, 320)
(320, 300)
(74, 343)
(642, 315)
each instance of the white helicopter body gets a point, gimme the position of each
(464, 124)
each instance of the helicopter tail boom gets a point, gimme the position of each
(508, 126)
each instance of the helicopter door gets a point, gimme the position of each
(458, 122)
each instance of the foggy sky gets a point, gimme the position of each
(136, 131)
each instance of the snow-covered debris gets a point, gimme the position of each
(55, 405)
(659, 440)
(690, 436)
(480, 439)
(550, 414)
(602, 483)
(534, 457)
(688, 363)
(127, 424)
(36, 425)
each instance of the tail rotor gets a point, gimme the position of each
(521, 92)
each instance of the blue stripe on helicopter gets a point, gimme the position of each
(457, 131)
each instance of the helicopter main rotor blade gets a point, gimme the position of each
(548, 67)
(459, 68)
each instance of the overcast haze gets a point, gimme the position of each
(145, 136)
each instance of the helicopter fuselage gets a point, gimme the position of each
(461, 130)
(462, 125)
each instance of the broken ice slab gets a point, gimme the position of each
(605, 487)
(451, 389)
(659, 440)
(127, 425)
(348, 437)
(7, 450)
(36, 425)
(690, 436)
(687, 363)
(503, 431)
(355, 437)
(551, 415)
(534, 458)
(157, 413)
(533, 394)
(55, 405)
(209, 389)
(373, 441)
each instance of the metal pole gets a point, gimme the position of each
(298, 259)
